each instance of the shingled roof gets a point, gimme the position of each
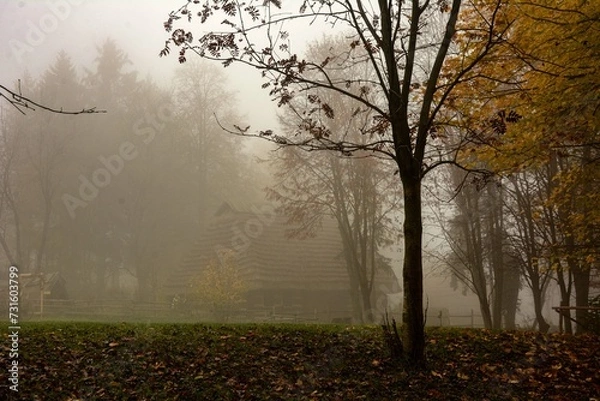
(267, 258)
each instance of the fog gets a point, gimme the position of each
(34, 32)
(150, 211)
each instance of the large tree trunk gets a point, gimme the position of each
(357, 310)
(512, 279)
(581, 272)
(538, 291)
(565, 297)
(352, 268)
(413, 330)
(41, 251)
(484, 308)
(368, 312)
(581, 280)
(496, 231)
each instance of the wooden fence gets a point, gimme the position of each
(444, 319)
(128, 310)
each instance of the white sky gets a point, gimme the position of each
(33, 32)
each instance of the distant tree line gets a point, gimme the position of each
(106, 198)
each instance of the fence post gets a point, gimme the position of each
(440, 317)
(472, 318)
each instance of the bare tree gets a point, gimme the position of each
(405, 43)
(358, 192)
(478, 255)
(33, 156)
(10, 216)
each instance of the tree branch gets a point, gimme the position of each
(22, 103)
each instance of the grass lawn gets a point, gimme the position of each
(95, 361)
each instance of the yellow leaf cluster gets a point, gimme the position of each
(220, 287)
(560, 44)
(545, 68)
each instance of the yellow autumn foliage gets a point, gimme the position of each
(546, 71)
(544, 65)
(220, 288)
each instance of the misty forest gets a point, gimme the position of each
(311, 200)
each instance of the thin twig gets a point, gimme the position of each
(22, 103)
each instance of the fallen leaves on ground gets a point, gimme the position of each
(78, 361)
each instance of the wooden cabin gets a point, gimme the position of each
(306, 278)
